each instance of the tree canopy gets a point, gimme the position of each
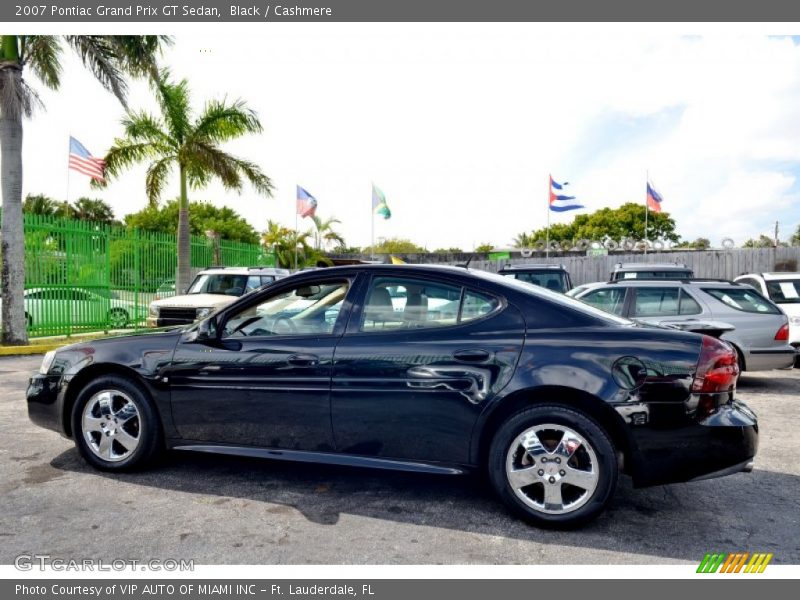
(203, 217)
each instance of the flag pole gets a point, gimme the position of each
(646, 209)
(547, 234)
(372, 227)
(69, 150)
(295, 237)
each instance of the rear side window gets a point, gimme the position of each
(553, 280)
(743, 299)
(611, 300)
(664, 302)
(476, 305)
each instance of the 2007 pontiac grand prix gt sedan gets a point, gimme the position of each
(421, 368)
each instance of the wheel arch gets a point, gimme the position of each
(581, 400)
(91, 372)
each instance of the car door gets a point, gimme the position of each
(265, 379)
(420, 358)
(667, 304)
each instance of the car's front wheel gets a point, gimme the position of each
(118, 318)
(115, 425)
(553, 466)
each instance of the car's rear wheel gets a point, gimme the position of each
(115, 425)
(553, 466)
(118, 318)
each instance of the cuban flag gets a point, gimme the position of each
(560, 202)
(306, 203)
(653, 199)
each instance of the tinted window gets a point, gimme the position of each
(743, 299)
(784, 292)
(229, 285)
(400, 303)
(689, 306)
(476, 305)
(307, 309)
(610, 299)
(552, 280)
(656, 302)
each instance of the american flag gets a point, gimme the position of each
(81, 160)
(306, 203)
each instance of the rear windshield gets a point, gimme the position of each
(784, 291)
(552, 280)
(745, 300)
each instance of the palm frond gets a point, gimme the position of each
(16, 96)
(142, 126)
(173, 99)
(204, 161)
(124, 154)
(138, 54)
(157, 176)
(42, 53)
(221, 121)
(100, 56)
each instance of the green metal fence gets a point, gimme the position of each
(82, 276)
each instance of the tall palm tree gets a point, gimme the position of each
(109, 58)
(324, 232)
(287, 244)
(176, 139)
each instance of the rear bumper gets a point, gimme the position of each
(674, 449)
(764, 359)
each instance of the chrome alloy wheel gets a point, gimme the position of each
(111, 425)
(552, 469)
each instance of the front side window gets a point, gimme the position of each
(307, 309)
(610, 300)
(743, 299)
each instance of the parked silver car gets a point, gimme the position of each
(761, 331)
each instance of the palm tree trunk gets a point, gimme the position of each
(12, 243)
(184, 239)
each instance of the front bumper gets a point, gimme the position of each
(674, 447)
(45, 397)
(168, 322)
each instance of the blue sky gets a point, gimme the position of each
(460, 124)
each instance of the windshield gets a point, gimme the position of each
(224, 283)
(786, 291)
(557, 298)
(550, 279)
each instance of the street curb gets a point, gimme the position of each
(33, 349)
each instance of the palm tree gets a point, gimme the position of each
(523, 240)
(324, 232)
(289, 246)
(109, 58)
(176, 139)
(39, 204)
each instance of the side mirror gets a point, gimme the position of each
(205, 331)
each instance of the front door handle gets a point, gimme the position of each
(477, 355)
(303, 360)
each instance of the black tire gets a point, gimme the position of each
(588, 505)
(145, 426)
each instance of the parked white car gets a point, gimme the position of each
(784, 290)
(211, 290)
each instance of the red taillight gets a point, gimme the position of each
(783, 333)
(717, 367)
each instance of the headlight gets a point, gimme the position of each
(203, 312)
(47, 362)
(153, 310)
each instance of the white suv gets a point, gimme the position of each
(784, 290)
(212, 289)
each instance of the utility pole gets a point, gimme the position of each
(776, 234)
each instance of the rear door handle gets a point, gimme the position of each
(476, 355)
(303, 360)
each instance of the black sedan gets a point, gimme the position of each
(434, 369)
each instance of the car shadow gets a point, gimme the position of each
(744, 512)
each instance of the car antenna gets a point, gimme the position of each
(469, 260)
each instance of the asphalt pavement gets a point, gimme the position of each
(228, 510)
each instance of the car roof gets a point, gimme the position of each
(664, 283)
(772, 276)
(243, 271)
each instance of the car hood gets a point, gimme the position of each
(195, 301)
